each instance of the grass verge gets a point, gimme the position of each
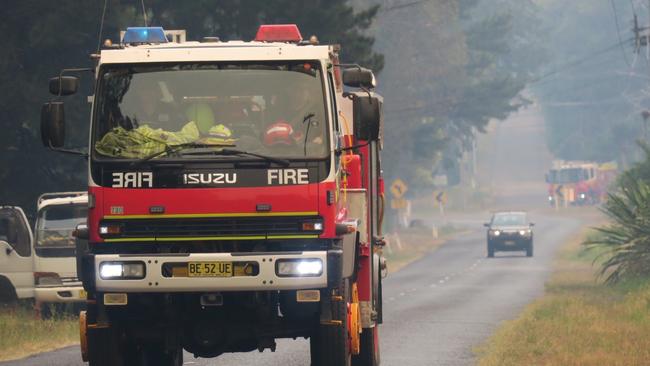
(579, 320)
(22, 333)
(411, 244)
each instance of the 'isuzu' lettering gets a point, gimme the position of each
(210, 178)
(132, 180)
(287, 176)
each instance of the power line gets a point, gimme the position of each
(401, 6)
(578, 62)
(618, 32)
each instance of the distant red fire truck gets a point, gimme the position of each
(579, 183)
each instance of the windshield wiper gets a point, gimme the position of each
(172, 149)
(230, 152)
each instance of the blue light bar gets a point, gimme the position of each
(139, 35)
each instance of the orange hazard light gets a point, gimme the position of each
(278, 33)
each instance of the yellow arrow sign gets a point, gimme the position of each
(398, 188)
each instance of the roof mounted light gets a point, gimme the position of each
(278, 33)
(142, 35)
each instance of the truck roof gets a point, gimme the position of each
(214, 51)
(61, 198)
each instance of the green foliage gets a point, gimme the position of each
(451, 67)
(624, 245)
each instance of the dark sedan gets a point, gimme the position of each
(509, 231)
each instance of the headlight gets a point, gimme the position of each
(122, 270)
(550, 198)
(109, 229)
(496, 233)
(582, 196)
(312, 226)
(524, 232)
(299, 267)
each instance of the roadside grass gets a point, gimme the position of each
(23, 333)
(412, 243)
(579, 320)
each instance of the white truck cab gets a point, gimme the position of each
(16, 263)
(55, 271)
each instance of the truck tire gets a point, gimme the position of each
(329, 345)
(154, 355)
(104, 348)
(7, 292)
(369, 355)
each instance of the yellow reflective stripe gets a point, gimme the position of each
(190, 238)
(241, 214)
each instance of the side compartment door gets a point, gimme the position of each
(16, 260)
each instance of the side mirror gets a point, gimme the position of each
(367, 114)
(359, 78)
(532, 224)
(64, 85)
(486, 224)
(53, 124)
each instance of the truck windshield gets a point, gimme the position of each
(55, 224)
(274, 109)
(569, 175)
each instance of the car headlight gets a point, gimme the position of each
(299, 267)
(122, 270)
(582, 196)
(550, 198)
(524, 232)
(496, 232)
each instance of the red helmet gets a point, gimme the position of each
(279, 133)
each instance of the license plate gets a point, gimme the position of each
(209, 269)
(83, 294)
(509, 242)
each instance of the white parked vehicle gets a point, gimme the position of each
(55, 269)
(16, 263)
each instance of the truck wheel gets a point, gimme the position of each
(104, 348)
(529, 250)
(369, 355)
(490, 250)
(329, 345)
(154, 355)
(7, 292)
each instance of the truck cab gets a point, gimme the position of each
(55, 271)
(16, 257)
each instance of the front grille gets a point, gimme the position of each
(227, 227)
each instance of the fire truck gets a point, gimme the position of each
(579, 183)
(235, 198)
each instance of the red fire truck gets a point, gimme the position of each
(579, 183)
(235, 197)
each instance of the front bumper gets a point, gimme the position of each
(265, 280)
(62, 294)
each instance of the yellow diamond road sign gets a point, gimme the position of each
(398, 188)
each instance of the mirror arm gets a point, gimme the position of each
(68, 151)
(77, 69)
(340, 150)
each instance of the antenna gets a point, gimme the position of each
(144, 13)
(101, 26)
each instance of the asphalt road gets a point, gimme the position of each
(436, 309)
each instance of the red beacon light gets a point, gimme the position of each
(278, 33)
